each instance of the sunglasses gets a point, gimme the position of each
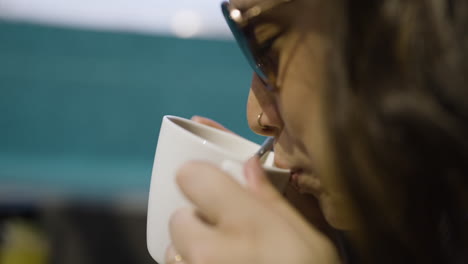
(245, 26)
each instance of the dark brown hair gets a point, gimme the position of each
(398, 127)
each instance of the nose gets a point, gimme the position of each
(262, 110)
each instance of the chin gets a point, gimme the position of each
(332, 214)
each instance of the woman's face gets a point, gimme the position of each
(294, 110)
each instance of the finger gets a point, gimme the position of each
(211, 123)
(172, 257)
(189, 234)
(258, 182)
(214, 192)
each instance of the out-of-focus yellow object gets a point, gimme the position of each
(23, 243)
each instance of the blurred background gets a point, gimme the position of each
(83, 88)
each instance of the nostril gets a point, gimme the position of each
(261, 125)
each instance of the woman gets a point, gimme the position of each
(367, 102)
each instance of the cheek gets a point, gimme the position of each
(299, 104)
(302, 80)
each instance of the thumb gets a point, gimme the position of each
(258, 182)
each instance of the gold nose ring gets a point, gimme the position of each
(176, 259)
(259, 122)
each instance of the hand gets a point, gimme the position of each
(234, 224)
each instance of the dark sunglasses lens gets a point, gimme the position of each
(248, 49)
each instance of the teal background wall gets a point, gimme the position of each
(80, 110)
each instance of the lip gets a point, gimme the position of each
(294, 179)
(295, 173)
(304, 180)
(280, 163)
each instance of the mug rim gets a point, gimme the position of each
(230, 155)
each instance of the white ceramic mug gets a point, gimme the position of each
(181, 140)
